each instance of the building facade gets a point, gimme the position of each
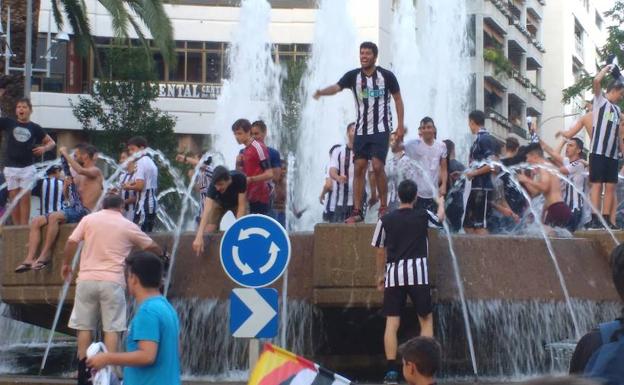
(508, 63)
(574, 32)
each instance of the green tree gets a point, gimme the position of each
(119, 109)
(613, 46)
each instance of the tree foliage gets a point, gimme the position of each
(613, 46)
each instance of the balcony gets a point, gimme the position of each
(578, 48)
(497, 124)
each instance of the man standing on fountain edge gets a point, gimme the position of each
(371, 86)
(402, 268)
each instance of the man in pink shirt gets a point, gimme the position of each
(100, 290)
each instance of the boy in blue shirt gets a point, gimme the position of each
(152, 355)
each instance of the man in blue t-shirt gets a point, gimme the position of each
(153, 355)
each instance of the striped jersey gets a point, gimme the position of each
(404, 235)
(50, 193)
(605, 134)
(147, 171)
(572, 197)
(342, 162)
(130, 208)
(330, 196)
(203, 185)
(372, 99)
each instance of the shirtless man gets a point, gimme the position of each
(556, 212)
(89, 181)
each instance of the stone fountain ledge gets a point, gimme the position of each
(334, 267)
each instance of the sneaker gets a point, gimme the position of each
(391, 378)
(613, 227)
(355, 217)
(594, 224)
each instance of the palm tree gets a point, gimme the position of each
(125, 14)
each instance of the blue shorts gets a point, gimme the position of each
(74, 215)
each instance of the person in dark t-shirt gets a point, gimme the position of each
(422, 358)
(372, 87)
(401, 242)
(227, 192)
(592, 341)
(484, 148)
(26, 140)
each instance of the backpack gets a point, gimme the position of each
(606, 364)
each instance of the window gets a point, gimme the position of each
(598, 20)
(194, 67)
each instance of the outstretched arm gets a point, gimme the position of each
(327, 91)
(598, 79)
(555, 154)
(89, 172)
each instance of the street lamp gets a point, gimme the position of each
(28, 67)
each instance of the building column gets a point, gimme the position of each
(523, 65)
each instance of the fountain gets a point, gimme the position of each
(253, 89)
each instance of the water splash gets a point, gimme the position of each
(253, 90)
(431, 61)
(323, 122)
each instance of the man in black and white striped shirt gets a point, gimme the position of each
(341, 171)
(402, 269)
(606, 144)
(50, 191)
(372, 87)
(145, 183)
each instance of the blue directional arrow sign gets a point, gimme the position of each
(255, 251)
(253, 313)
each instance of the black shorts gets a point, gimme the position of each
(146, 222)
(258, 208)
(478, 209)
(602, 169)
(395, 298)
(342, 213)
(427, 204)
(371, 146)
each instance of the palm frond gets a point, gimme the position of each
(152, 14)
(119, 16)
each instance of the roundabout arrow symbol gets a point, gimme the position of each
(245, 233)
(273, 250)
(243, 267)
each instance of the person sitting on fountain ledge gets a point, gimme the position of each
(88, 181)
(592, 351)
(556, 212)
(254, 162)
(422, 357)
(401, 238)
(226, 192)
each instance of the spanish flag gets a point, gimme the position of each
(277, 366)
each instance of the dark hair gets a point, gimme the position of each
(242, 124)
(450, 149)
(615, 85)
(87, 148)
(535, 148)
(331, 150)
(349, 126)
(512, 143)
(579, 143)
(426, 120)
(112, 201)
(147, 267)
(478, 117)
(407, 191)
(220, 174)
(26, 101)
(617, 269)
(370, 45)
(53, 169)
(424, 352)
(138, 141)
(260, 124)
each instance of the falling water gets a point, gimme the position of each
(517, 339)
(253, 90)
(549, 245)
(323, 122)
(430, 57)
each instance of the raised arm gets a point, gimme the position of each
(597, 86)
(89, 172)
(555, 154)
(327, 91)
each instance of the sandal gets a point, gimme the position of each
(23, 267)
(40, 265)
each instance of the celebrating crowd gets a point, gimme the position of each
(413, 184)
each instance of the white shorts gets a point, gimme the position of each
(99, 300)
(20, 177)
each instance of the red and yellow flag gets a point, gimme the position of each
(277, 366)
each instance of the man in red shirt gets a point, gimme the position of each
(254, 162)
